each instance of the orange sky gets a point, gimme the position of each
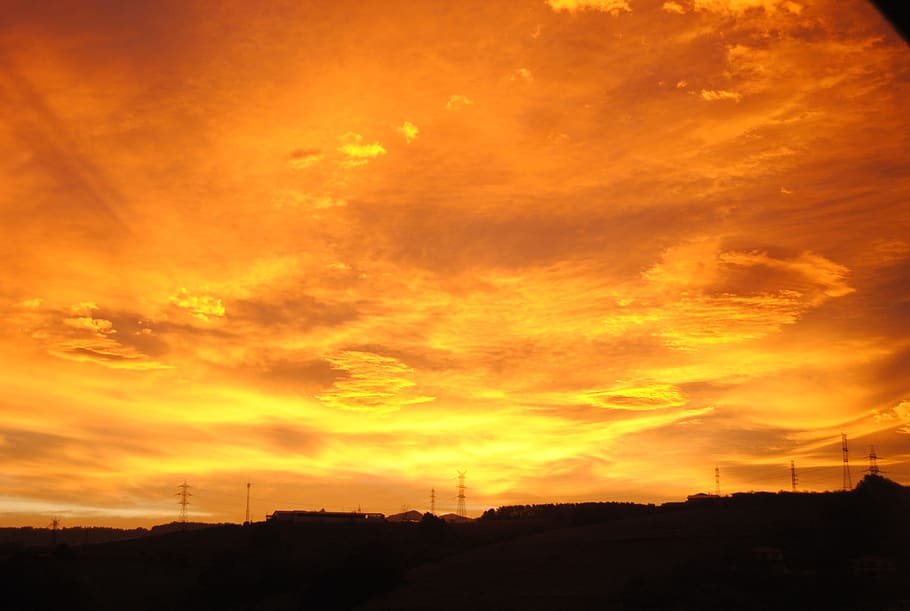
(583, 250)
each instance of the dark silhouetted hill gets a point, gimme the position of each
(840, 551)
(78, 535)
(755, 551)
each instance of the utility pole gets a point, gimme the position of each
(793, 479)
(848, 482)
(717, 481)
(460, 508)
(247, 521)
(183, 491)
(433, 501)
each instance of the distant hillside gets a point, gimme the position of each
(832, 551)
(78, 535)
(408, 516)
(88, 535)
(455, 518)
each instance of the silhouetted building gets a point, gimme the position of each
(298, 516)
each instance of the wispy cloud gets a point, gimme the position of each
(714, 95)
(458, 102)
(203, 307)
(613, 7)
(409, 131)
(373, 383)
(357, 152)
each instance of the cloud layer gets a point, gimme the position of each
(627, 237)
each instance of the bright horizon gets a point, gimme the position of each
(583, 250)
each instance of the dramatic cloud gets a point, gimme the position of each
(677, 226)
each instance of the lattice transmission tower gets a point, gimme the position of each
(794, 480)
(460, 508)
(873, 462)
(433, 501)
(183, 494)
(847, 480)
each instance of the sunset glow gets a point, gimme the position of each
(579, 249)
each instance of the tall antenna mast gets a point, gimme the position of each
(55, 524)
(717, 481)
(460, 508)
(848, 482)
(433, 501)
(183, 491)
(247, 521)
(793, 479)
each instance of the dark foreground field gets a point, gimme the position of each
(846, 551)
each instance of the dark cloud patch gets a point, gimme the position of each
(304, 157)
(94, 449)
(167, 328)
(94, 354)
(419, 357)
(283, 372)
(298, 312)
(761, 278)
(74, 176)
(144, 31)
(444, 238)
(304, 153)
(85, 332)
(581, 412)
(32, 446)
(723, 433)
(303, 374)
(888, 382)
(896, 366)
(131, 328)
(291, 440)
